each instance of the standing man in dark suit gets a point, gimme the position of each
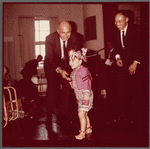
(127, 55)
(57, 69)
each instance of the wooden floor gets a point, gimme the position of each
(33, 132)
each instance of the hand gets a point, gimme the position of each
(64, 74)
(87, 97)
(119, 62)
(132, 68)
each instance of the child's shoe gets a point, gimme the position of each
(81, 135)
(88, 130)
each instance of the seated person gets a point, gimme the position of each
(30, 68)
(29, 88)
(7, 80)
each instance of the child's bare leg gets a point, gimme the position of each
(82, 118)
(88, 120)
(88, 127)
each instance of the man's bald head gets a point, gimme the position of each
(64, 23)
(64, 30)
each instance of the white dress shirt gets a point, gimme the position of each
(108, 62)
(125, 30)
(62, 50)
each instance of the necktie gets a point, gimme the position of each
(123, 38)
(65, 54)
(64, 48)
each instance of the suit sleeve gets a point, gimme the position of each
(117, 44)
(137, 44)
(50, 54)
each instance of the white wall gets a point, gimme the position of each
(95, 10)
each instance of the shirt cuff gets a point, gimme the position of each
(137, 62)
(57, 69)
(117, 56)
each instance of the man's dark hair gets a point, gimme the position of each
(127, 13)
(123, 12)
(40, 56)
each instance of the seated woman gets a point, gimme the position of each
(7, 80)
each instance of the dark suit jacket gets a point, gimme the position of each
(53, 51)
(132, 47)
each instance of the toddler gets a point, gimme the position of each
(81, 83)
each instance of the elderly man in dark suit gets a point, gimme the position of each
(127, 55)
(57, 69)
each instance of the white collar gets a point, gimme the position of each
(125, 30)
(61, 41)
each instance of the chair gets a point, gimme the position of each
(12, 105)
(41, 84)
